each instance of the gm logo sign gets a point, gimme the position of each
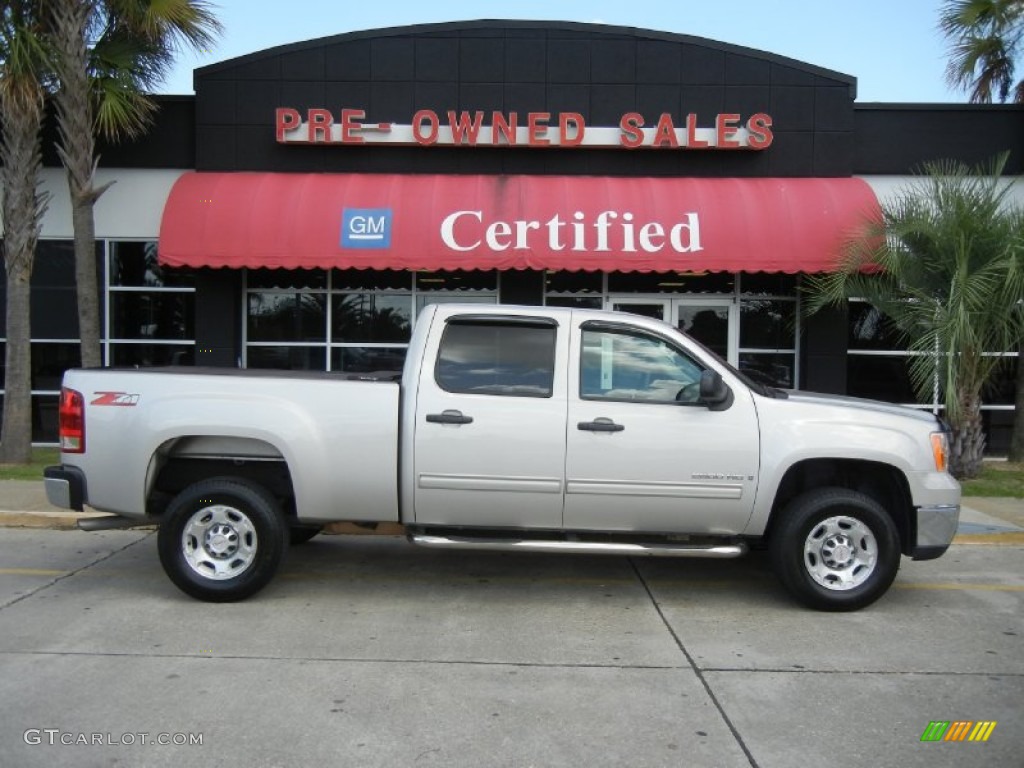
(366, 228)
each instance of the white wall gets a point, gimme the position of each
(131, 208)
(887, 186)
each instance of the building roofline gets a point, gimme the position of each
(469, 26)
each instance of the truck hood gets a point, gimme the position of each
(875, 406)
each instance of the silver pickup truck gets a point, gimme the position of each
(514, 428)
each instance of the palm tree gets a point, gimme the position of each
(109, 55)
(944, 265)
(22, 67)
(986, 42)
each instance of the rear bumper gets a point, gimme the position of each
(65, 487)
(936, 527)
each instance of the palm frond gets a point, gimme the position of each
(947, 271)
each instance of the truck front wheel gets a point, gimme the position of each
(222, 539)
(835, 549)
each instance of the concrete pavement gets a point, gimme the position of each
(368, 652)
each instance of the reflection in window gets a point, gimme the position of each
(161, 316)
(148, 303)
(879, 377)
(870, 329)
(708, 325)
(371, 317)
(425, 300)
(368, 359)
(135, 265)
(287, 316)
(144, 355)
(287, 358)
(616, 365)
(767, 324)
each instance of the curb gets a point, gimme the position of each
(62, 521)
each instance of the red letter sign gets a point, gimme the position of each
(286, 119)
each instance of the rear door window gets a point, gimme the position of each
(512, 357)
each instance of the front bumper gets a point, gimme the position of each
(65, 487)
(936, 527)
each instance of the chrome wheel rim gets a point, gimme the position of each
(219, 542)
(840, 553)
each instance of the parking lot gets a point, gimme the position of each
(367, 651)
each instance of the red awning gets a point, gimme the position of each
(429, 222)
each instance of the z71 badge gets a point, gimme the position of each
(115, 398)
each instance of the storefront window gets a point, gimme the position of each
(371, 317)
(769, 328)
(868, 329)
(581, 290)
(671, 282)
(879, 377)
(287, 357)
(287, 316)
(150, 318)
(347, 320)
(160, 316)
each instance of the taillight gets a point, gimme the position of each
(72, 421)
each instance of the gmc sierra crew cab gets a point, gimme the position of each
(513, 428)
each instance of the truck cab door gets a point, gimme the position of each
(490, 423)
(644, 452)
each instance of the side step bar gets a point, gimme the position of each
(635, 549)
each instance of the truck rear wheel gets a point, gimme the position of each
(835, 549)
(222, 539)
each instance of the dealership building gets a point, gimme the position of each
(308, 200)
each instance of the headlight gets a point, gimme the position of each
(940, 450)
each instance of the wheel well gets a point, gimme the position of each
(882, 482)
(181, 462)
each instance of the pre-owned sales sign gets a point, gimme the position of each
(533, 129)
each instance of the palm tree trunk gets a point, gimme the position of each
(23, 207)
(77, 149)
(16, 436)
(968, 444)
(1017, 438)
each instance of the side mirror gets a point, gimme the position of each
(714, 392)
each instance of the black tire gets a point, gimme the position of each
(835, 549)
(300, 534)
(222, 539)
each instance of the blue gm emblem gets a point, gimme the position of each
(366, 228)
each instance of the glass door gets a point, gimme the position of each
(711, 321)
(659, 309)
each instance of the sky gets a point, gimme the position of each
(892, 47)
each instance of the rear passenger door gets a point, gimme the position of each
(490, 423)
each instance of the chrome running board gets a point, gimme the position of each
(634, 549)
